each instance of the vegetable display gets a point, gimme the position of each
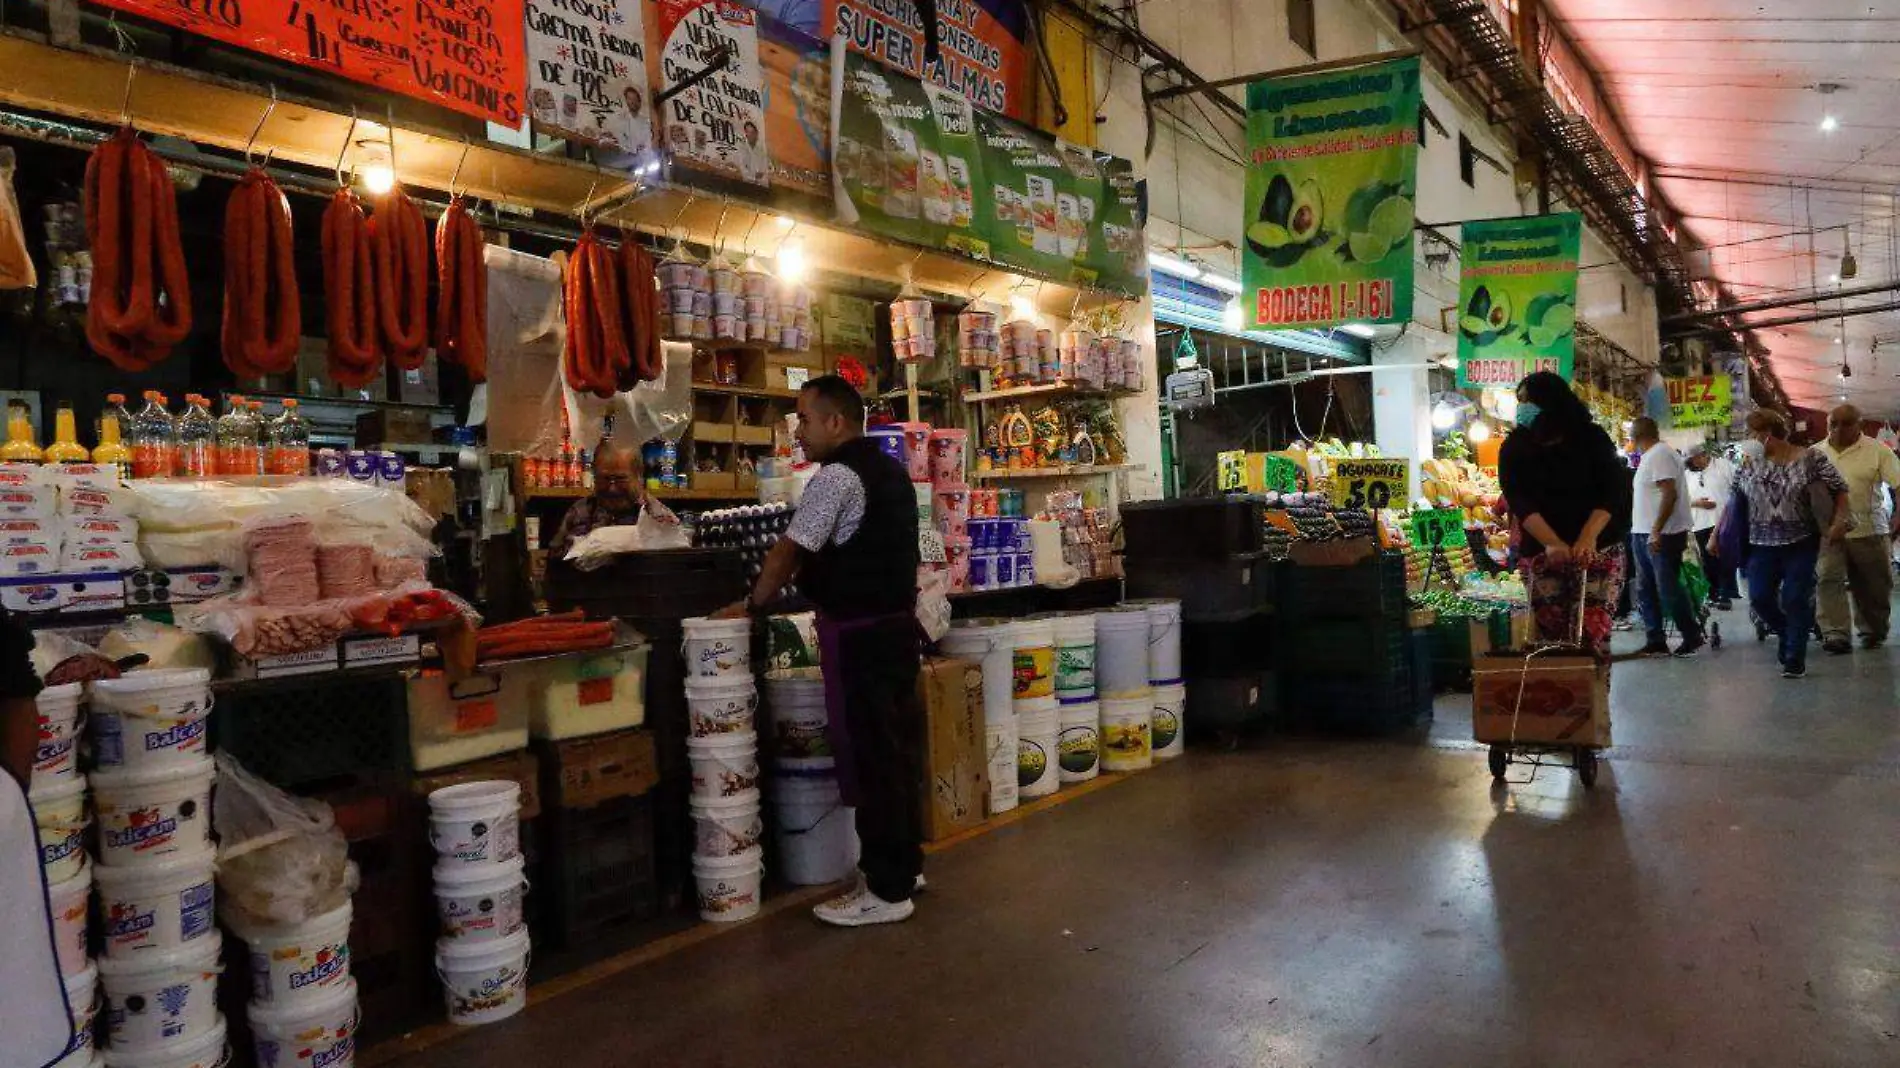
(349, 293)
(141, 298)
(263, 314)
(461, 308)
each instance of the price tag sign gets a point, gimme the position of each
(1370, 484)
(1231, 470)
(1434, 528)
(1282, 475)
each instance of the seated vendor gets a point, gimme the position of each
(618, 495)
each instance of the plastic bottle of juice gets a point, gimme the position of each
(256, 438)
(290, 443)
(231, 453)
(197, 439)
(154, 439)
(20, 447)
(66, 448)
(114, 421)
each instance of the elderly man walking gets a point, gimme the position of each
(1858, 562)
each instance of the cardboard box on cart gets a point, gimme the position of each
(956, 759)
(1547, 700)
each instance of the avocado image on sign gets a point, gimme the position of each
(1547, 319)
(1486, 318)
(1291, 221)
(1378, 219)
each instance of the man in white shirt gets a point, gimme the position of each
(1659, 535)
(1859, 560)
(1711, 477)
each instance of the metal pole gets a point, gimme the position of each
(1284, 72)
(1784, 302)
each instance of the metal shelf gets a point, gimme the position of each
(1054, 389)
(1078, 471)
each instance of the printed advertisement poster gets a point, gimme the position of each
(719, 124)
(1517, 298)
(1332, 177)
(465, 56)
(587, 72)
(1120, 254)
(905, 162)
(797, 71)
(1698, 400)
(1033, 196)
(983, 44)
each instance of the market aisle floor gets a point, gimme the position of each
(1729, 896)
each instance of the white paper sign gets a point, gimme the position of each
(719, 124)
(587, 71)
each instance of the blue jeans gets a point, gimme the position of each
(1658, 581)
(1781, 590)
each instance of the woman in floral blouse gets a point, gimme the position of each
(1778, 486)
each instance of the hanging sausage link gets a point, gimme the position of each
(400, 240)
(263, 313)
(141, 298)
(349, 292)
(461, 310)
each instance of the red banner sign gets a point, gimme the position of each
(461, 54)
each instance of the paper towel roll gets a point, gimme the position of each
(1045, 542)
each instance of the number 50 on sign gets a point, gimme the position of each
(1371, 483)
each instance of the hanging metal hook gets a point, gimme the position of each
(259, 128)
(457, 173)
(719, 241)
(592, 184)
(389, 127)
(349, 139)
(125, 103)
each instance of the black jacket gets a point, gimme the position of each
(1564, 482)
(874, 572)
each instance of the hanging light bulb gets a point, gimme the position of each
(378, 179)
(1231, 315)
(1480, 431)
(791, 262)
(1020, 306)
(1849, 268)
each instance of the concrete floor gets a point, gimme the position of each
(1730, 895)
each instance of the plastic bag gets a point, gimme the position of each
(281, 859)
(657, 528)
(198, 522)
(933, 603)
(162, 646)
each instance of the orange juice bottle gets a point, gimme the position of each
(112, 449)
(66, 448)
(20, 447)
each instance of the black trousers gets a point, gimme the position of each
(877, 666)
(1721, 571)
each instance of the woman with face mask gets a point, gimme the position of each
(1569, 489)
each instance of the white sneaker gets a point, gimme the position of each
(862, 909)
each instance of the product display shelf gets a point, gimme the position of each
(1071, 471)
(1049, 391)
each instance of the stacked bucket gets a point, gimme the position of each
(815, 833)
(483, 949)
(156, 870)
(1078, 712)
(1138, 668)
(1038, 716)
(722, 702)
(57, 793)
(990, 644)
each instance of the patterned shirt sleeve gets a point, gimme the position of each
(830, 509)
(1827, 473)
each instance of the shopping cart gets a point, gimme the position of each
(1572, 659)
(1695, 585)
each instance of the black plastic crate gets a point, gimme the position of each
(1210, 591)
(1211, 649)
(1192, 528)
(1374, 588)
(1368, 704)
(1230, 702)
(313, 730)
(597, 870)
(1377, 647)
(668, 584)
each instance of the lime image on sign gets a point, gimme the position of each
(1433, 528)
(1370, 483)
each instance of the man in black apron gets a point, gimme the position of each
(852, 547)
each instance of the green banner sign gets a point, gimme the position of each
(1517, 299)
(1332, 176)
(918, 163)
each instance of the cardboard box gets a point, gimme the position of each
(1565, 700)
(956, 759)
(586, 771)
(520, 767)
(422, 385)
(398, 426)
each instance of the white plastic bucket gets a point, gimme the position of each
(1127, 741)
(59, 812)
(314, 1032)
(480, 902)
(1033, 659)
(721, 706)
(157, 906)
(1164, 641)
(817, 835)
(987, 642)
(1037, 724)
(1167, 727)
(726, 827)
(483, 982)
(1000, 736)
(476, 823)
(1121, 652)
(718, 648)
(82, 995)
(1075, 655)
(145, 814)
(162, 996)
(296, 962)
(728, 887)
(1079, 741)
(204, 1051)
(724, 765)
(56, 758)
(70, 899)
(797, 700)
(148, 719)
